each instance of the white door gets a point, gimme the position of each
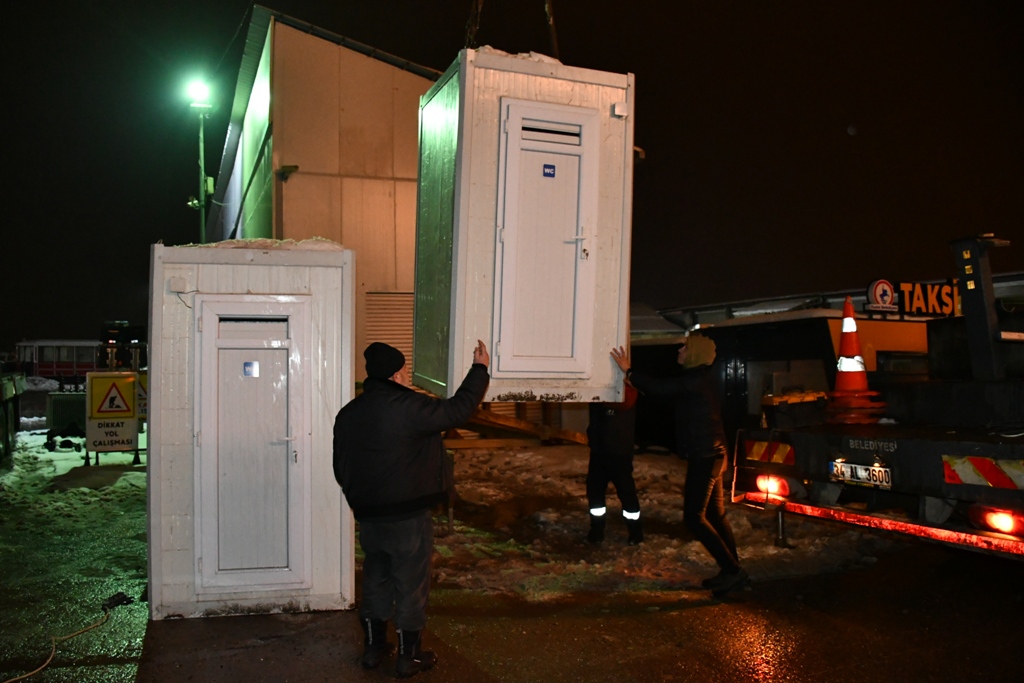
(547, 216)
(252, 443)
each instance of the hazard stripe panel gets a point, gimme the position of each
(1000, 474)
(770, 451)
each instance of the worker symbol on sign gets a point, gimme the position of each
(113, 402)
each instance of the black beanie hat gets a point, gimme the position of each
(382, 360)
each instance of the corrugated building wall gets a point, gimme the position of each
(328, 148)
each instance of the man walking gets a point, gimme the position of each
(389, 459)
(700, 438)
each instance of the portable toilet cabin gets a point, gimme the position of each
(523, 227)
(251, 360)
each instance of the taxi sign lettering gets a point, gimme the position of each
(918, 298)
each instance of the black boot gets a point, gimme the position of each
(376, 647)
(636, 531)
(730, 582)
(714, 581)
(596, 533)
(411, 659)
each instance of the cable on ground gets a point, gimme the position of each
(113, 601)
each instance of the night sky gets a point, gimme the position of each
(790, 146)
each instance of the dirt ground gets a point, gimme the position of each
(521, 517)
(74, 538)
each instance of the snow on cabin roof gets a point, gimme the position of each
(264, 243)
(529, 56)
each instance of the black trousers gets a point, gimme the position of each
(396, 570)
(704, 510)
(615, 469)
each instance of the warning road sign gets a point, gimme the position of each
(142, 397)
(111, 394)
(113, 402)
(104, 436)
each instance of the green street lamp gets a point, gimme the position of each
(199, 93)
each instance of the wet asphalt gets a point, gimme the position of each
(925, 614)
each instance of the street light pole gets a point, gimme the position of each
(202, 180)
(200, 95)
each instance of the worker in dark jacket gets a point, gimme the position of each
(390, 460)
(610, 434)
(700, 438)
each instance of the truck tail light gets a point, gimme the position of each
(772, 485)
(994, 519)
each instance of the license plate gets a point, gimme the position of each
(866, 475)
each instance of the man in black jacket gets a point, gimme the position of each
(390, 460)
(700, 438)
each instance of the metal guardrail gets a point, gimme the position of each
(11, 386)
(65, 408)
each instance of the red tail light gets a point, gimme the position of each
(772, 485)
(993, 519)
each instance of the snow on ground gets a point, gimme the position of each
(41, 384)
(520, 518)
(41, 478)
(30, 424)
(71, 537)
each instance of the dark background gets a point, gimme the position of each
(790, 146)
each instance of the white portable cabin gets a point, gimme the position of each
(251, 357)
(523, 227)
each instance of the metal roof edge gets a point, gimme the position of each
(800, 305)
(255, 38)
(354, 45)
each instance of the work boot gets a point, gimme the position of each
(636, 531)
(729, 583)
(596, 533)
(411, 659)
(714, 581)
(376, 647)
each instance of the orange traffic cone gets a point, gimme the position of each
(851, 401)
(850, 373)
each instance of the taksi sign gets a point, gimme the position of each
(918, 298)
(914, 298)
